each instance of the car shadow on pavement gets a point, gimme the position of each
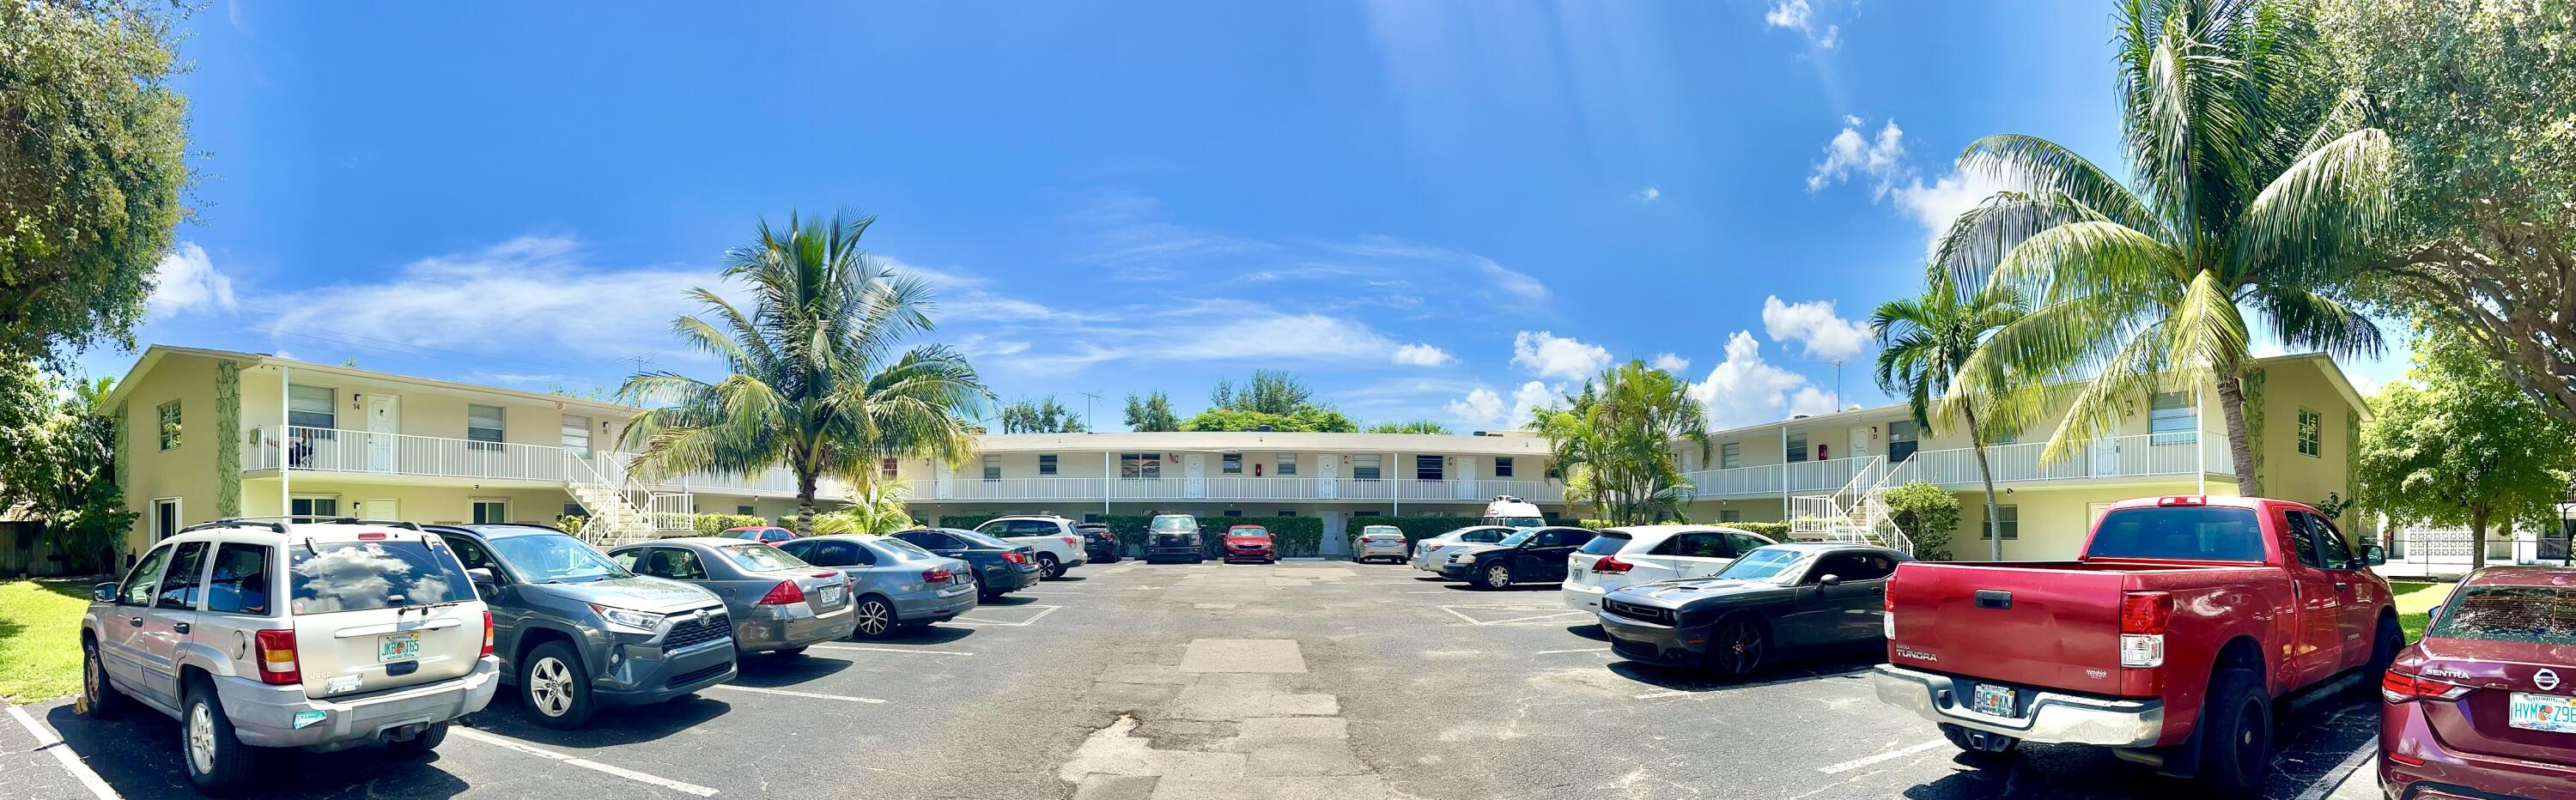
(1065, 579)
(1007, 600)
(929, 634)
(508, 716)
(1834, 665)
(774, 672)
(137, 754)
(1517, 587)
(2315, 742)
(1589, 630)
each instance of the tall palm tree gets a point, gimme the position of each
(1924, 346)
(1615, 442)
(814, 380)
(2255, 186)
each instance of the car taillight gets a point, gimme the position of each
(786, 592)
(1014, 558)
(2143, 617)
(1072, 540)
(371, 536)
(1887, 610)
(830, 574)
(487, 632)
(940, 575)
(1612, 564)
(277, 658)
(2399, 687)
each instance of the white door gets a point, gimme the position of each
(2106, 456)
(1466, 482)
(382, 508)
(1333, 544)
(1194, 475)
(943, 480)
(1859, 442)
(1328, 478)
(384, 421)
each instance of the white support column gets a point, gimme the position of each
(285, 446)
(2199, 442)
(1395, 487)
(1108, 474)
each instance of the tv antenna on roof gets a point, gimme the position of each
(1089, 425)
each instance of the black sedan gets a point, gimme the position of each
(1536, 554)
(1772, 602)
(999, 567)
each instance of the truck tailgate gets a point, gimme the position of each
(2027, 624)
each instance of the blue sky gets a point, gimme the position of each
(1428, 210)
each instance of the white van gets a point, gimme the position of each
(1513, 512)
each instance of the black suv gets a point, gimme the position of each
(1098, 543)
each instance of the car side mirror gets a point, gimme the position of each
(2432, 614)
(104, 593)
(482, 577)
(2372, 555)
(1830, 580)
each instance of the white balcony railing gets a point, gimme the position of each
(1236, 488)
(1774, 479)
(2135, 456)
(304, 448)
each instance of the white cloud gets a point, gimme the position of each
(533, 294)
(1518, 283)
(1422, 355)
(1548, 355)
(1880, 158)
(1746, 390)
(1649, 194)
(1532, 396)
(1816, 329)
(1937, 205)
(1481, 406)
(1833, 35)
(1669, 362)
(186, 280)
(1789, 14)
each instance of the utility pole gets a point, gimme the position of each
(1838, 384)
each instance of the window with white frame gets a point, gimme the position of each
(2007, 520)
(1429, 468)
(1730, 455)
(745, 511)
(312, 407)
(2170, 418)
(886, 468)
(491, 511)
(1364, 468)
(1287, 463)
(2310, 425)
(1729, 515)
(1140, 465)
(170, 425)
(483, 427)
(1046, 463)
(1502, 466)
(576, 435)
(992, 468)
(1795, 451)
(1230, 464)
(306, 508)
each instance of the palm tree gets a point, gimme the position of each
(876, 506)
(1615, 442)
(1924, 346)
(2256, 187)
(814, 381)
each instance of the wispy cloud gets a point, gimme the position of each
(1422, 355)
(187, 280)
(1879, 158)
(1798, 15)
(532, 294)
(1649, 194)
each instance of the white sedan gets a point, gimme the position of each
(1623, 557)
(1428, 554)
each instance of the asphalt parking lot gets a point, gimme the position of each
(1301, 680)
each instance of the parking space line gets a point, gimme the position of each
(1577, 650)
(72, 763)
(808, 695)
(890, 650)
(1045, 610)
(584, 763)
(1890, 755)
(1453, 611)
(1653, 695)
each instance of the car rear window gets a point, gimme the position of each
(2529, 614)
(2192, 533)
(1607, 543)
(359, 576)
(977, 539)
(761, 557)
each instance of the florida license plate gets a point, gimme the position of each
(2542, 712)
(1993, 700)
(830, 595)
(398, 647)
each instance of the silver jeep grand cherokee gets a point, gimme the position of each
(320, 635)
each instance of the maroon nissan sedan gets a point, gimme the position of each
(2485, 705)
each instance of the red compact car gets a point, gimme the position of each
(771, 535)
(2485, 705)
(1249, 543)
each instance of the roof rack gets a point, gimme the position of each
(277, 522)
(234, 522)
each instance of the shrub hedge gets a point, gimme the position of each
(714, 524)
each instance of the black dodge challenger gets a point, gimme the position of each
(1773, 601)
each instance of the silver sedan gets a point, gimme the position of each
(1431, 554)
(779, 603)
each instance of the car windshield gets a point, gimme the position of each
(1174, 523)
(1516, 539)
(358, 576)
(2190, 533)
(546, 558)
(1256, 533)
(1766, 564)
(2528, 614)
(978, 540)
(761, 557)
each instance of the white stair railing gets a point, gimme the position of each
(617, 510)
(1829, 516)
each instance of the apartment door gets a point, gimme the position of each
(2106, 457)
(1332, 545)
(1859, 442)
(1468, 466)
(385, 508)
(384, 424)
(1194, 475)
(1328, 482)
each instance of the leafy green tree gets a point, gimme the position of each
(1416, 426)
(813, 378)
(1309, 419)
(1039, 416)
(1926, 342)
(1153, 413)
(876, 506)
(58, 457)
(1615, 440)
(90, 188)
(2256, 188)
(1928, 514)
(2458, 443)
(1270, 392)
(2476, 97)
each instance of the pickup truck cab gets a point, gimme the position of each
(2167, 641)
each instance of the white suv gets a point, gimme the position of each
(320, 635)
(1058, 545)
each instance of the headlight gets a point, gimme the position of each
(638, 621)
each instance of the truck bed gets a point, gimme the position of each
(2048, 624)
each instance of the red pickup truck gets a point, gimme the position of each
(2168, 640)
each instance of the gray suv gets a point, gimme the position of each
(575, 631)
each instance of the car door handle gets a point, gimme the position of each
(135, 622)
(179, 627)
(2341, 586)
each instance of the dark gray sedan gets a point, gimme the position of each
(779, 603)
(1770, 602)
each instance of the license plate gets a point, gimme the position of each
(1993, 700)
(829, 595)
(1577, 572)
(2543, 712)
(398, 647)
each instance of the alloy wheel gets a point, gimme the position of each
(550, 687)
(873, 617)
(90, 677)
(201, 738)
(1498, 577)
(1743, 647)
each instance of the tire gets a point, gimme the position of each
(877, 619)
(2383, 652)
(981, 593)
(216, 761)
(2235, 735)
(1737, 647)
(1980, 744)
(420, 746)
(102, 698)
(555, 687)
(1048, 567)
(1496, 576)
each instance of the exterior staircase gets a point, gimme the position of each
(1857, 512)
(618, 514)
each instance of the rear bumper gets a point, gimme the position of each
(1251, 555)
(763, 635)
(922, 608)
(264, 715)
(647, 674)
(1382, 552)
(1582, 598)
(2054, 717)
(2448, 772)
(1007, 577)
